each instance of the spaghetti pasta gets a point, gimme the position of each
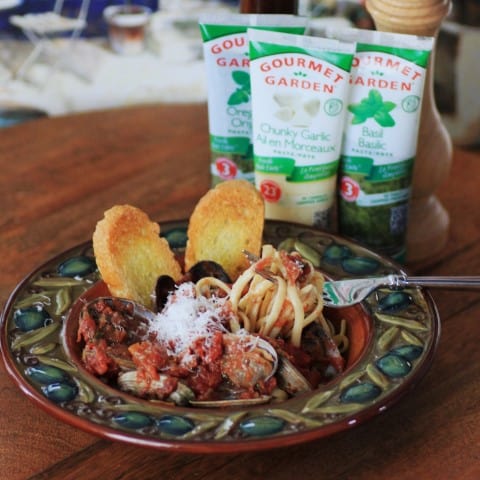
(277, 296)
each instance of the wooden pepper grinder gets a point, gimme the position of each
(269, 6)
(428, 223)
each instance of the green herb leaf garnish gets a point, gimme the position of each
(374, 107)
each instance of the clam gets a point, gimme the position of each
(116, 319)
(124, 364)
(160, 388)
(290, 379)
(319, 344)
(248, 360)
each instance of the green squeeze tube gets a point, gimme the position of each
(300, 88)
(225, 47)
(380, 137)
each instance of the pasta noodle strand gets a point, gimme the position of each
(279, 295)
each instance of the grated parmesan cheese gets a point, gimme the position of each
(186, 318)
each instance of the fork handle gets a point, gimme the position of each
(440, 281)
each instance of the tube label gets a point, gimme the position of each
(299, 92)
(225, 46)
(380, 136)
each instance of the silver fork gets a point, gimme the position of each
(342, 293)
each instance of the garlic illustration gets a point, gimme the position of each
(285, 113)
(295, 110)
(312, 106)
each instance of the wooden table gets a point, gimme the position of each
(59, 175)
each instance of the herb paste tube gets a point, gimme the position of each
(225, 46)
(300, 87)
(387, 82)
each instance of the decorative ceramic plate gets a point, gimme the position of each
(393, 334)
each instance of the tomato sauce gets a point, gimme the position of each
(213, 366)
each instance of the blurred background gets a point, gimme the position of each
(159, 58)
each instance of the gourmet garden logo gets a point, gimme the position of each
(385, 72)
(294, 72)
(385, 62)
(230, 52)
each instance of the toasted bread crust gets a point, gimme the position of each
(130, 254)
(226, 220)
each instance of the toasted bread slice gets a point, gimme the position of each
(131, 255)
(227, 220)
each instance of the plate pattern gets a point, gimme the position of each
(405, 333)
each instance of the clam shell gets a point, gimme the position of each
(290, 379)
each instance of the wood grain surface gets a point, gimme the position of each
(58, 176)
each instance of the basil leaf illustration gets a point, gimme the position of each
(358, 119)
(388, 106)
(374, 107)
(384, 119)
(362, 109)
(241, 78)
(239, 96)
(375, 98)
